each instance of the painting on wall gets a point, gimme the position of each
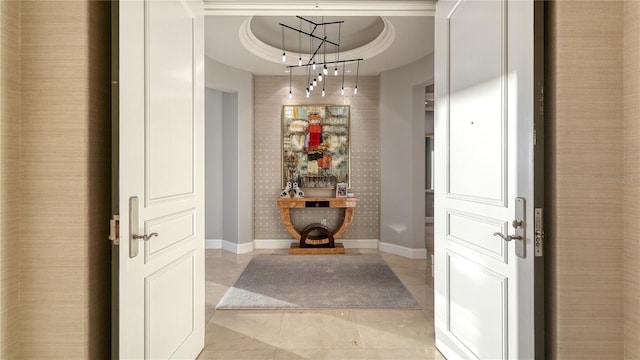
(316, 145)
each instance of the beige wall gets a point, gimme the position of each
(270, 93)
(55, 179)
(9, 179)
(631, 136)
(584, 251)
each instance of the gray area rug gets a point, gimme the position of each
(316, 282)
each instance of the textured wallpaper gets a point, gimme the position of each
(270, 93)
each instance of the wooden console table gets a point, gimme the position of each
(286, 204)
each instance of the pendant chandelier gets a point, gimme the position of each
(317, 62)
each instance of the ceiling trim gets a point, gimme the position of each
(327, 8)
(265, 51)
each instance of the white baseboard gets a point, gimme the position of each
(272, 243)
(402, 251)
(213, 243)
(359, 243)
(237, 248)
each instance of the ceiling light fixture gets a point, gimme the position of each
(290, 94)
(313, 61)
(355, 89)
(284, 52)
(299, 46)
(342, 90)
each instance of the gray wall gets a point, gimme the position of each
(240, 83)
(230, 179)
(213, 167)
(402, 128)
(270, 94)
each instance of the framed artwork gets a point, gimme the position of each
(341, 190)
(316, 145)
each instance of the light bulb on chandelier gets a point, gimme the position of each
(313, 33)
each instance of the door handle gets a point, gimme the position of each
(508, 237)
(145, 237)
(519, 226)
(133, 228)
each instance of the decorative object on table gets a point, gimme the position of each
(297, 192)
(286, 190)
(316, 145)
(341, 190)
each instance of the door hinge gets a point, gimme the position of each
(114, 229)
(539, 232)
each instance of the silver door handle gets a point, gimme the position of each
(508, 237)
(144, 237)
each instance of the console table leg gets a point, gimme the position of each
(286, 220)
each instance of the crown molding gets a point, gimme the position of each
(327, 8)
(256, 46)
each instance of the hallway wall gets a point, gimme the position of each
(402, 128)
(584, 185)
(270, 94)
(9, 179)
(65, 187)
(213, 167)
(631, 177)
(239, 83)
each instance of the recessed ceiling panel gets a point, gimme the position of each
(354, 32)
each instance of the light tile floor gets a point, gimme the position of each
(318, 334)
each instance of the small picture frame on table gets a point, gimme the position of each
(341, 190)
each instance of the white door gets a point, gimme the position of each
(484, 87)
(161, 150)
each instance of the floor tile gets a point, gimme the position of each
(243, 329)
(319, 329)
(237, 355)
(395, 329)
(423, 295)
(395, 354)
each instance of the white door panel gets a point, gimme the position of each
(161, 158)
(473, 320)
(169, 129)
(477, 101)
(170, 313)
(477, 232)
(484, 293)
